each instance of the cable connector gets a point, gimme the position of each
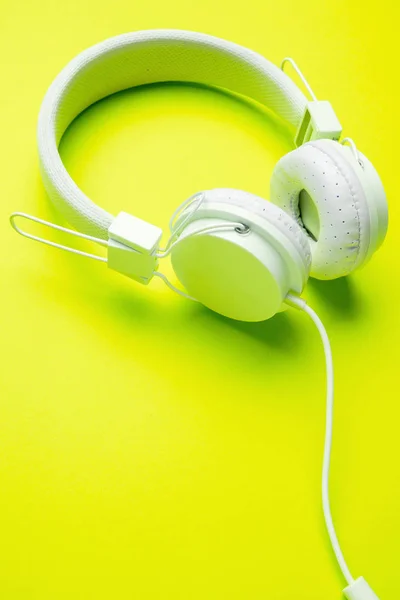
(360, 590)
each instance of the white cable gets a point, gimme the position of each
(353, 147)
(302, 305)
(287, 59)
(172, 287)
(224, 226)
(199, 197)
(193, 203)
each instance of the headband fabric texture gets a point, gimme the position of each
(141, 58)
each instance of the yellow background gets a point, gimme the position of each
(148, 448)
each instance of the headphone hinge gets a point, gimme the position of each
(318, 122)
(132, 247)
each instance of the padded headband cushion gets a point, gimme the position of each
(140, 58)
(321, 169)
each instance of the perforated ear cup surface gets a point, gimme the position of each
(323, 169)
(268, 211)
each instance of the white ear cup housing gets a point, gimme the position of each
(244, 276)
(339, 202)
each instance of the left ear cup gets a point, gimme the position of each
(241, 275)
(340, 204)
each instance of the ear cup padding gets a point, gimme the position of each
(257, 205)
(323, 170)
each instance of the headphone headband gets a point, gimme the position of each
(140, 58)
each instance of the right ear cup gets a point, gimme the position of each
(339, 203)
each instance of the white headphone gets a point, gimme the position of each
(238, 254)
